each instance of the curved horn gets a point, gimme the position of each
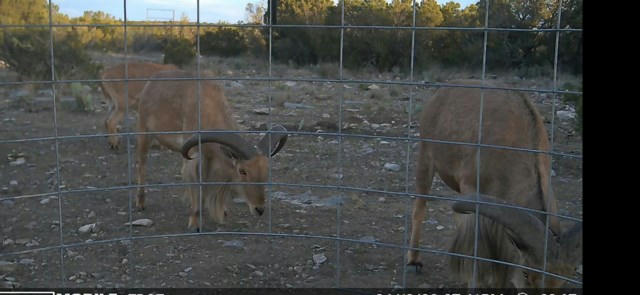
(237, 144)
(526, 230)
(277, 141)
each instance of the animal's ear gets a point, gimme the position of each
(273, 142)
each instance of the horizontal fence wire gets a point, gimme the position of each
(300, 133)
(300, 26)
(57, 138)
(300, 185)
(288, 235)
(309, 80)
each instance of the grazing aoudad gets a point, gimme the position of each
(166, 106)
(510, 176)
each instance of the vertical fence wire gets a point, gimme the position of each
(269, 94)
(479, 150)
(127, 124)
(56, 143)
(553, 116)
(339, 162)
(409, 143)
(269, 134)
(199, 134)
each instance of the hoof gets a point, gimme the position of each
(417, 265)
(196, 230)
(114, 144)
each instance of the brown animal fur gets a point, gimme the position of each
(173, 106)
(115, 92)
(519, 178)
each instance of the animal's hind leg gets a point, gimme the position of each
(117, 114)
(142, 149)
(424, 179)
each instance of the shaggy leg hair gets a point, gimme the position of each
(493, 243)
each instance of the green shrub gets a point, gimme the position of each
(27, 52)
(83, 97)
(179, 52)
(145, 43)
(224, 42)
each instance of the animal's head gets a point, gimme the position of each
(527, 232)
(248, 163)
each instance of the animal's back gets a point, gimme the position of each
(173, 105)
(508, 120)
(133, 71)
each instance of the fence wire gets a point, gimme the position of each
(340, 187)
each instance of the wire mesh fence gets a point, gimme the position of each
(343, 174)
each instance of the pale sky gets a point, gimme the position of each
(212, 11)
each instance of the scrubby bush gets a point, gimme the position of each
(179, 52)
(145, 43)
(83, 97)
(223, 42)
(27, 52)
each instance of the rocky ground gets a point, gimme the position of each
(91, 221)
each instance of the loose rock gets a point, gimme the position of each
(141, 222)
(87, 228)
(233, 243)
(392, 167)
(319, 258)
(261, 111)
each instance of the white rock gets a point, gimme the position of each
(7, 242)
(261, 111)
(235, 84)
(566, 115)
(439, 227)
(233, 243)
(18, 162)
(579, 269)
(392, 167)
(373, 87)
(141, 222)
(87, 228)
(319, 258)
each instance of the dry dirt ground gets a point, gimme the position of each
(87, 165)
